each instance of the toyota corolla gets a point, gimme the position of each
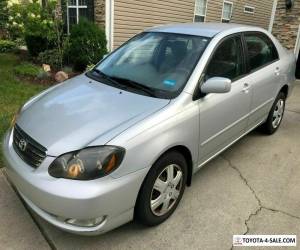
(123, 140)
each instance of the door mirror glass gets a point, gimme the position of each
(216, 85)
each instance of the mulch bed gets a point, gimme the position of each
(23, 56)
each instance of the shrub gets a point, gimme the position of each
(15, 20)
(3, 16)
(87, 44)
(34, 23)
(39, 30)
(36, 44)
(51, 57)
(27, 69)
(43, 75)
(7, 46)
(67, 70)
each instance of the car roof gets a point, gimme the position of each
(200, 29)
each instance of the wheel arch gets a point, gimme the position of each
(285, 89)
(188, 157)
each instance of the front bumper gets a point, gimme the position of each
(58, 199)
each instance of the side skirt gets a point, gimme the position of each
(223, 149)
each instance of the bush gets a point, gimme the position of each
(3, 16)
(36, 44)
(51, 57)
(42, 75)
(33, 23)
(15, 20)
(7, 46)
(27, 69)
(87, 44)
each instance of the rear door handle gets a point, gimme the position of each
(246, 87)
(277, 71)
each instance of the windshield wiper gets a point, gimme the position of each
(125, 83)
(134, 85)
(106, 77)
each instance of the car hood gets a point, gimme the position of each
(79, 111)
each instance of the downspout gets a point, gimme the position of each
(109, 24)
(273, 15)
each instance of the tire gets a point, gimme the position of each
(275, 115)
(166, 194)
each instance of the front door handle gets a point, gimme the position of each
(246, 88)
(277, 71)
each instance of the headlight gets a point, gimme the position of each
(87, 164)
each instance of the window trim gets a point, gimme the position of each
(261, 34)
(249, 7)
(231, 11)
(77, 7)
(197, 93)
(204, 20)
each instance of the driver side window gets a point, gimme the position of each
(227, 60)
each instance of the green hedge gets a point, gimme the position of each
(7, 46)
(87, 44)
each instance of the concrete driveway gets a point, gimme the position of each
(252, 188)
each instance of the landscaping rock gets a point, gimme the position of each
(46, 67)
(61, 76)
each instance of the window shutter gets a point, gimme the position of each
(90, 10)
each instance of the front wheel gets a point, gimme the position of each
(275, 116)
(162, 189)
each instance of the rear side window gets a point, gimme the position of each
(261, 50)
(227, 60)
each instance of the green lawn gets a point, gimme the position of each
(13, 93)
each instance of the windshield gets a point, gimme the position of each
(152, 63)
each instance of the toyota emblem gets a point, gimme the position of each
(22, 145)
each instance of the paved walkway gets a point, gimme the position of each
(251, 188)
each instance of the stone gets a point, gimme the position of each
(46, 67)
(61, 76)
(286, 24)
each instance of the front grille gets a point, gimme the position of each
(28, 149)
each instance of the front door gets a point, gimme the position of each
(224, 117)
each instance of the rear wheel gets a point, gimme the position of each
(275, 116)
(162, 189)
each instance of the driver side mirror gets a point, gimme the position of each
(216, 85)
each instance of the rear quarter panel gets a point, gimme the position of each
(287, 65)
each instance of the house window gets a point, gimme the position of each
(249, 9)
(200, 10)
(227, 12)
(75, 10)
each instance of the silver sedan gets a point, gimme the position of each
(123, 140)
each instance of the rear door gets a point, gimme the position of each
(264, 74)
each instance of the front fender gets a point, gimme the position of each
(147, 141)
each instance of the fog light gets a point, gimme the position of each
(86, 222)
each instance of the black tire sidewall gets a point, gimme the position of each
(143, 211)
(268, 126)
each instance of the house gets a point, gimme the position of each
(286, 23)
(286, 26)
(122, 19)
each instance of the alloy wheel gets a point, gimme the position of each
(278, 113)
(166, 190)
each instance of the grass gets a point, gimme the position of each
(13, 93)
(27, 69)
